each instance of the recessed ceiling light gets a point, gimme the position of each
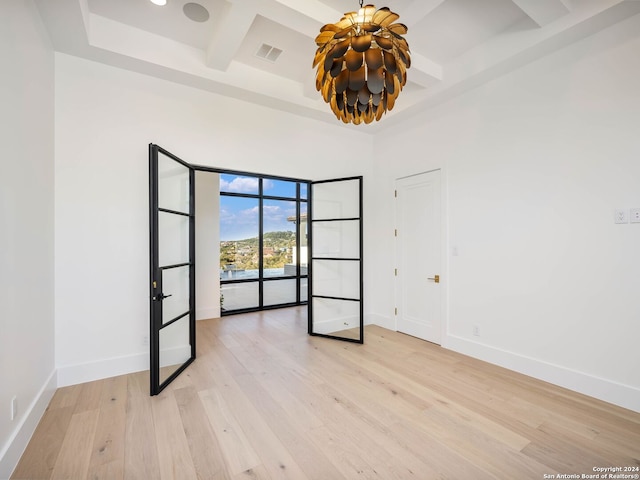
(196, 12)
(159, 2)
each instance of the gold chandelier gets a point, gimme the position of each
(362, 63)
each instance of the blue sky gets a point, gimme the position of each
(239, 216)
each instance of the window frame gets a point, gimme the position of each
(299, 276)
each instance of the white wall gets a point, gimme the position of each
(105, 118)
(207, 245)
(26, 226)
(534, 165)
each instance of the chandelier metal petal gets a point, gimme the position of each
(362, 63)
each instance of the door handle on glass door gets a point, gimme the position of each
(435, 279)
(161, 296)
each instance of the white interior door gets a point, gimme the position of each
(418, 252)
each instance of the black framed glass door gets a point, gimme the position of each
(172, 266)
(336, 268)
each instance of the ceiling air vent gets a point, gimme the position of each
(267, 52)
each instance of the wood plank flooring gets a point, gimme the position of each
(264, 401)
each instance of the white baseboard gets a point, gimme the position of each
(110, 367)
(624, 396)
(386, 322)
(18, 440)
(619, 394)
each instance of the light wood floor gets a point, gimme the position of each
(264, 401)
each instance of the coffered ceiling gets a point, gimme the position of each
(220, 45)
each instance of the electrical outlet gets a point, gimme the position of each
(621, 216)
(634, 215)
(14, 407)
(476, 331)
(145, 341)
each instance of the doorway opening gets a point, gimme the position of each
(270, 270)
(263, 242)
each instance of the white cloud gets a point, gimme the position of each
(239, 185)
(267, 184)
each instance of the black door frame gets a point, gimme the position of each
(360, 300)
(157, 294)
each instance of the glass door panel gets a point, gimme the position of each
(173, 185)
(336, 308)
(173, 238)
(172, 267)
(337, 318)
(336, 279)
(175, 348)
(336, 199)
(336, 239)
(176, 281)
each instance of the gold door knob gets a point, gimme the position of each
(435, 279)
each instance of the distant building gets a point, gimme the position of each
(290, 269)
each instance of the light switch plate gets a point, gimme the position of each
(621, 216)
(634, 215)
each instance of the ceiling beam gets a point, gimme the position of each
(228, 37)
(543, 12)
(68, 24)
(423, 71)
